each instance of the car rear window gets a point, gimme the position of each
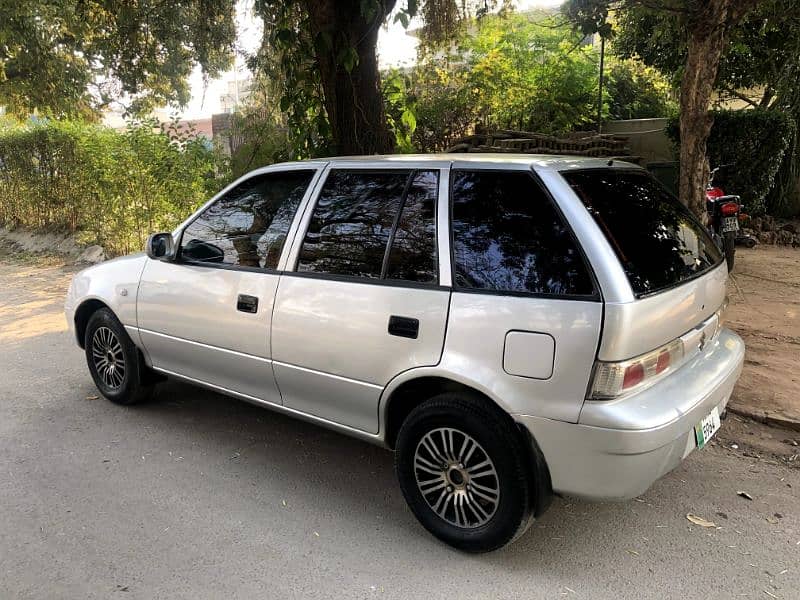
(658, 241)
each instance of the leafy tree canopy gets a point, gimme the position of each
(526, 71)
(321, 54)
(756, 53)
(62, 57)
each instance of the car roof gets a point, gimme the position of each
(558, 162)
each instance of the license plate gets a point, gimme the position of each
(730, 224)
(707, 428)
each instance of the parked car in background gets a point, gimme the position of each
(512, 326)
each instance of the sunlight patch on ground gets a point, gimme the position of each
(25, 327)
(31, 301)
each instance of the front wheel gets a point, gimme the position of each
(114, 361)
(464, 472)
(729, 246)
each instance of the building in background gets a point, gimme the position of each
(236, 95)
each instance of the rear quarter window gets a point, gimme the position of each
(508, 237)
(659, 243)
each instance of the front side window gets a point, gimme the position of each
(248, 225)
(508, 237)
(374, 225)
(657, 240)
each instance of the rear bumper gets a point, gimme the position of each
(619, 448)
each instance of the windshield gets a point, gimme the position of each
(657, 240)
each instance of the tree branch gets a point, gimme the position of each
(740, 96)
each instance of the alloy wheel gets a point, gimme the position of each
(109, 360)
(456, 477)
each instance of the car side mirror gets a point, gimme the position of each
(160, 246)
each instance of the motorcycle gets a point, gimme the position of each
(724, 213)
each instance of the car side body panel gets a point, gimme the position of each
(189, 323)
(332, 349)
(476, 336)
(114, 283)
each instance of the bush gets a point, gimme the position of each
(444, 108)
(636, 91)
(753, 143)
(112, 188)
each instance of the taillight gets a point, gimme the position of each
(729, 209)
(612, 379)
(634, 375)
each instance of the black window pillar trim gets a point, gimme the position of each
(390, 242)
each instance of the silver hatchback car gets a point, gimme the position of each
(512, 326)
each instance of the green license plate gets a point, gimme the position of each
(706, 428)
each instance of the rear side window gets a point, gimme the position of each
(247, 226)
(412, 256)
(508, 237)
(374, 225)
(657, 240)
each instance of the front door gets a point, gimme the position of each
(363, 301)
(207, 315)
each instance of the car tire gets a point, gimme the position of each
(465, 472)
(114, 361)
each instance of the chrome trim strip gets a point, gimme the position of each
(291, 235)
(443, 228)
(376, 439)
(291, 247)
(218, 348)
(331, 375)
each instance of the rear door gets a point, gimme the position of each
(525, 314)
(360, 301)
(207, 315)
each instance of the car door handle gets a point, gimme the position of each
(248, 304)
(404, 327)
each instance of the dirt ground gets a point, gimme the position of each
(764, 295)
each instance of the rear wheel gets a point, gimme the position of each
(465, 472)
(114, 360)
(729, 246)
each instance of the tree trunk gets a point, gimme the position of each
(353, 98)
(706, 43)
(708, 24)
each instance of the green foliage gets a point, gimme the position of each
(527, 72)
(591, 16)
(66, 58)
(261, 141)
(287, 64)
(753, 144)
(760, 66)
(443, 105)
(530, 74)
(400, 109)
(114, 188)
(444, 20)
(766, 39)
(636, 91)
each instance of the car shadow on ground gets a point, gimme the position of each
(351, 477)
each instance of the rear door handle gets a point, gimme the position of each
(248, 304)
(404, 327)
